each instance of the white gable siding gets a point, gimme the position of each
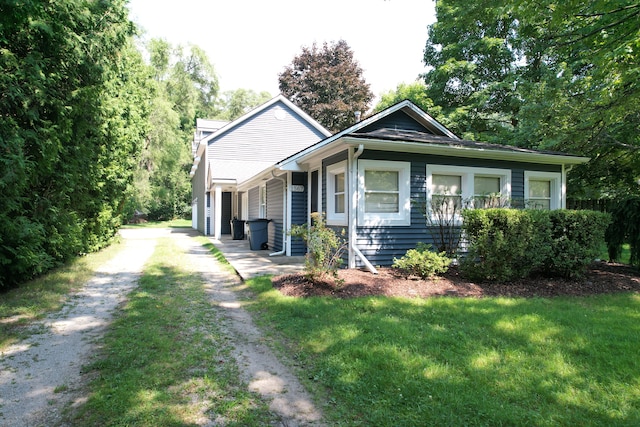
(270, 136)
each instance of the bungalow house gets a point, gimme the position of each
(366, 178)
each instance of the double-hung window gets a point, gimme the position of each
(337, 190)
(542, 190)
(384, 193)
(453, 188)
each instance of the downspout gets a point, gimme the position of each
(353, 216)
(284, 216)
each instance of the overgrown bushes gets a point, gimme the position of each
(508, 244)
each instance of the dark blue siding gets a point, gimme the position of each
(298, 211)
(381, 244)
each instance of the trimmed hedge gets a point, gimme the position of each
(509, 244)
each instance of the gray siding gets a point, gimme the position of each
(254, 203)
(275, 214)
(198, 183)
(270, 136)
(299, 211)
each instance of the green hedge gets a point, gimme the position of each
(508, 244)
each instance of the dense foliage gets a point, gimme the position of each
(72, 118)
(624, 228)
(183, 86)
(546, 74)
(422, 262)
(325, 248)
(327, 84)
(509, 244)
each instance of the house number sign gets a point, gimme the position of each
(297, 188)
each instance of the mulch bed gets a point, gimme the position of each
(601, 278)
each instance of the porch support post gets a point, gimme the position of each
(217, 212)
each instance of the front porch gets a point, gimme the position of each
(249, 263)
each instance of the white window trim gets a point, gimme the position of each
(556, 186)
(467, 174)
(262, 207)
(400, 218)
(334, 218)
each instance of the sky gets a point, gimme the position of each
(250, 42)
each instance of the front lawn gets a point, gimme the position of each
(463, 361)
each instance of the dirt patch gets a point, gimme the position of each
(601, 278)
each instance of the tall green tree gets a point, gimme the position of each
(71, 121)
(415, 92)
(328, 84)
(238, 102)
(184, 87)
(554, 75)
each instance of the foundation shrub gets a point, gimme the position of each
(504, 244)
(510, 244)
(576, 238)
(423, 262)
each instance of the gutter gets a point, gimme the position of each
(353, 248)
(284, 215)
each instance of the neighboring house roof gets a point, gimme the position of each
(420, 133)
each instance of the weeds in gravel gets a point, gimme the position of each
(462, 361)
(37, 298)
(165, 360)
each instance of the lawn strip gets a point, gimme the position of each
(164, 360)
(39, 297)
(457, 361)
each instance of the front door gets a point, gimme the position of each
(225, 227)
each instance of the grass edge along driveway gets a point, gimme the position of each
(456, 361)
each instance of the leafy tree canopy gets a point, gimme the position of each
(327, 83)
(415, 92)
(238, 102)
(554, 75)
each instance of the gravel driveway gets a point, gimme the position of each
(42, 374)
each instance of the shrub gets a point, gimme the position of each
(508, 244)
(624, 227)
(324, 248)
(423, 262)
(504, 244)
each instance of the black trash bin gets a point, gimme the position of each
(258, 233)
(237, 229)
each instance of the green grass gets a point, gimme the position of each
(164, 352)
(35, 299)
(175, 223)
(455, 361)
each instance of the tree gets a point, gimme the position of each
(415, 92)
(327, 83)
(184, 87)
(72, 116)
(546, 75)
(239, 102)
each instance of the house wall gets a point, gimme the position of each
(299, 210)
(275, 214)
(198, 182)
(279, 131)
(254, 203)
(382, 243)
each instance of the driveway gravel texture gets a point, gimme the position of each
(41, 375)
